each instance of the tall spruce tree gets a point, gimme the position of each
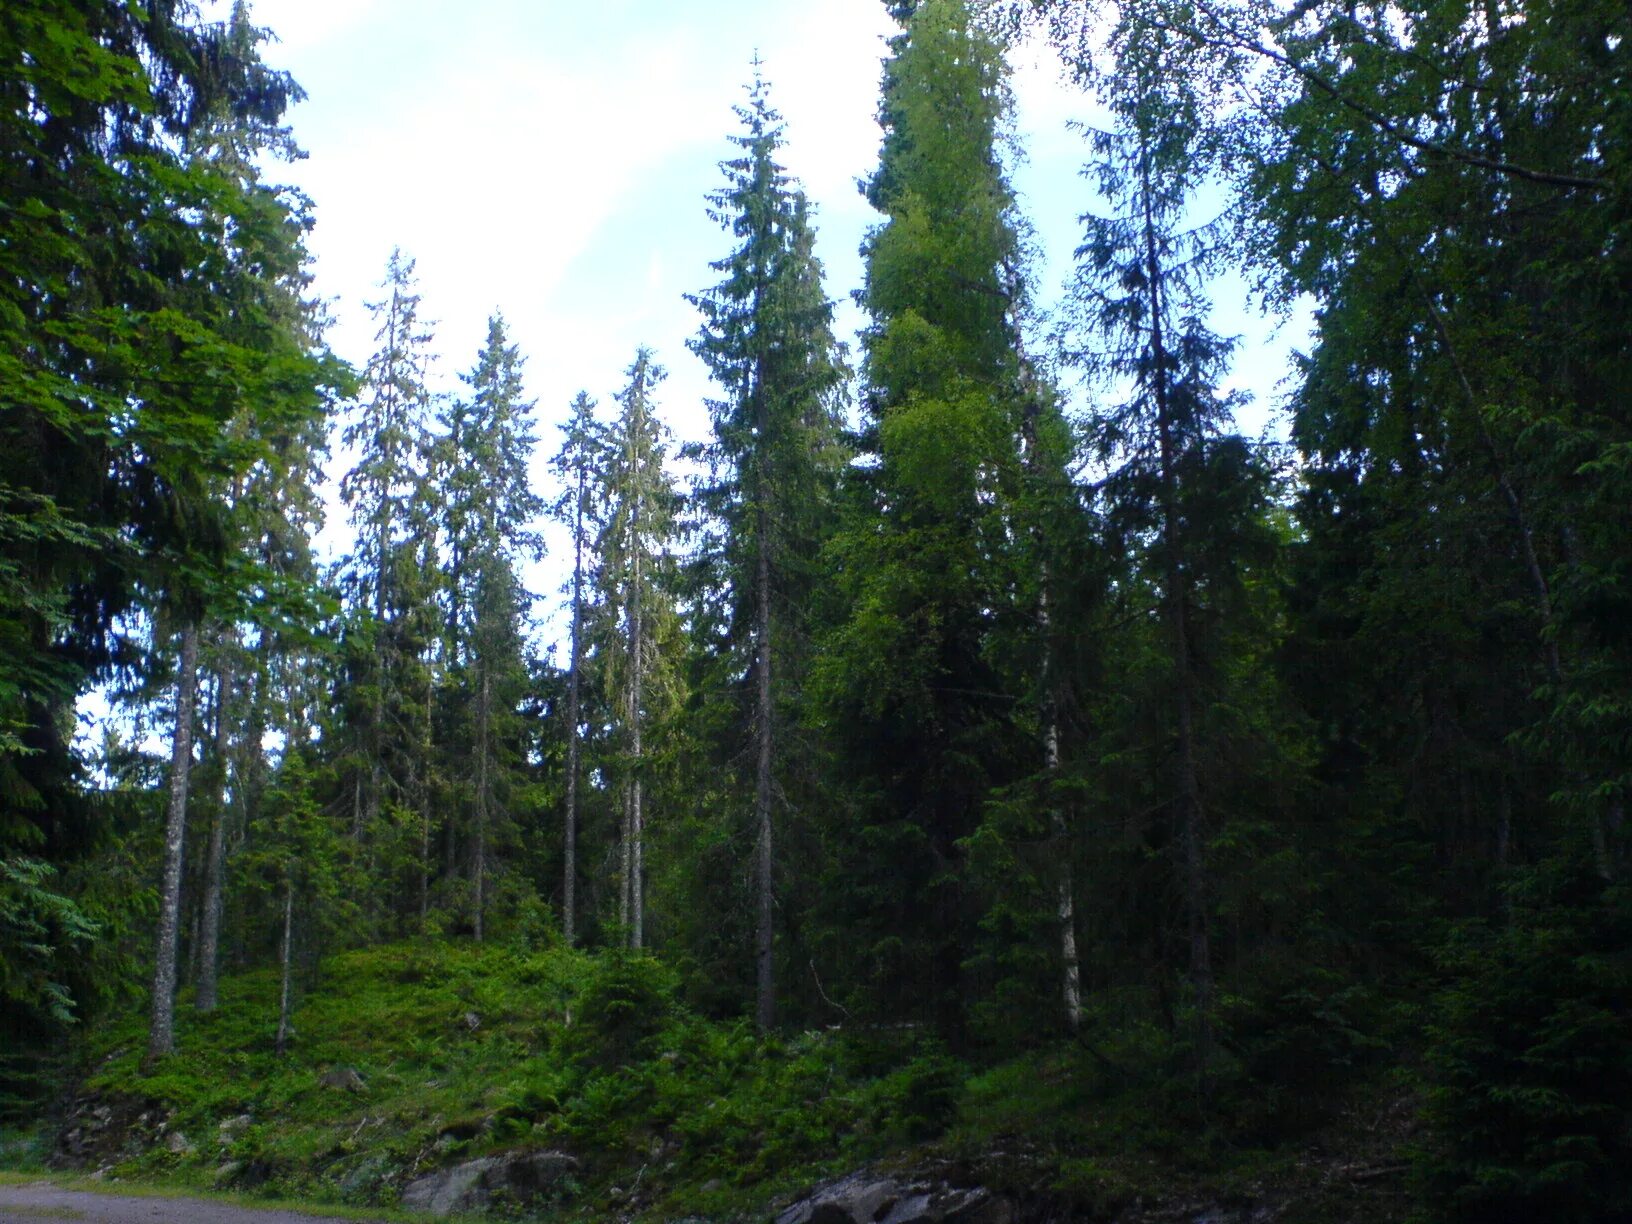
(389, 433)
(914, 693)
(577, 465)
(490, 511)
(767, 339)
(633, 577)
(1185, 498)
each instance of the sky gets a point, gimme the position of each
(550, 160)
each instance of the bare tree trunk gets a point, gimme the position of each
(569, 870)
(764, 942)
(1065, 896)
(425, 821)
(479, 869)
(625, 860)
(161, 1035)
(1064, 891)
(209, 943)
(286, 960)
(637, 855)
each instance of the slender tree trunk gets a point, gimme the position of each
(161, 1035)
(1190, 813)
(569, 870)
(625, 859)
(286, 960)
(425, 820)
(209, 943)
(764, 944)
(365, 814)
(479, 869)
(1064, 893)
(637, 855)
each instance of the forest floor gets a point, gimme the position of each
(575, 1086)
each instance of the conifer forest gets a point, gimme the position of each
(982, 767)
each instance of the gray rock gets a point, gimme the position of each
(228, 1173)
(366, 1175)
(872, 1198)
(231, 1129)
(519, 1176)
(178, 1143)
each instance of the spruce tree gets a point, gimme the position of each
(914, 691)
(767, 339)
(389, 433)
(577, 464)
(489, 511)
(632, 578)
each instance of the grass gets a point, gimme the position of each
(467, 1051)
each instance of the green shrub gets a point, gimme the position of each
(1528, 1078)
(625, 1004)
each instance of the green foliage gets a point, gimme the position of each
(622, 1009)
(1529, 1061)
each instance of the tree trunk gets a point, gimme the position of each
(479, 868)
(425, 820)
(569, 870)
(764, 944)
(286, 960)
(1065, 896)
(625, 860)
(161, 1035)
(637, 864)
(209, 943)
(1064, 891)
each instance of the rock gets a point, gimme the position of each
(472, 1021)
(178, 1144)
(872, 1198)
(345, 1078)
(519, 1177)
(228, 1173)
(230, 1130)
(368, 1173)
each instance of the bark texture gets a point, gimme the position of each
(161, 1035)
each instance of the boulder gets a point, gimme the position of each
(518, 1177)
(230, 1130)
(875, 1198)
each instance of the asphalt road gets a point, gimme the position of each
(29, 1204)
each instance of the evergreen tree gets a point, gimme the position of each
(913, 688)
(767, 339)
(384, 489)
(577, 464)
(632, 580)
(1178, 484)
(490, 510)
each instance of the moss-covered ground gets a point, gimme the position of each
(411, 1057)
